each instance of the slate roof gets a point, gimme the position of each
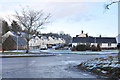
(106, 40)
(83, 40)
(25, 34)
(94, 39)
(15, 34)
(21, 41)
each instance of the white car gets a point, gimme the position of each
(43, 47)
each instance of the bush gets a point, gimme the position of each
(94, 48)
(88, 47)
(73, 48)
(98, 46)
(81, 47)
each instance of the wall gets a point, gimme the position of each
(114, 45)
(74, 44)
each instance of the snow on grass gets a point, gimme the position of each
(106, 66)
(81, 52)
(68, 51)
(104, 71)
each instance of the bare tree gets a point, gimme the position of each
(107, 6)
(118, 46)
(31, 20)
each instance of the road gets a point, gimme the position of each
(59, 66)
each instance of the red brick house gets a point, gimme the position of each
(12, 42)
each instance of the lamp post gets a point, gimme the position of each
(118, 46)
(17, 43)
(18, 34)
(95, 41)
(2, 43)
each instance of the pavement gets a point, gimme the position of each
(59, 66)
(24, 55)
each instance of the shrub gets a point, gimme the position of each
(98, 47)
(81, 47)
(94, 48)
(73, 48)
(88, 47)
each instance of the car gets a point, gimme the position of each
(49, 46)
(43, 47)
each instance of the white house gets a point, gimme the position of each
(37, 41)
(118, 38)
(105, 42)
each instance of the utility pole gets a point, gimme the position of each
(17, 40)
(17, 43)
(95, 41)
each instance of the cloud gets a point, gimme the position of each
(59, 10)
(55, 1)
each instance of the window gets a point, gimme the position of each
(109, 44)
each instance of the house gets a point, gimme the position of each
(40, 40)
(24, 35)
(12, 33)
(118, 38)
(33, 43)
(14, 43)
(6, 35)
(105, 42)
(37, 41)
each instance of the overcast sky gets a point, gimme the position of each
(71, 16)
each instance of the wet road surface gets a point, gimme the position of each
(59, 66)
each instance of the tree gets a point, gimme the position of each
(31, 20)
(61, 33)
(15, 26)
(5, 27)
(107, 6)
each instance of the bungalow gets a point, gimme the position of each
(25, 35)
(105, 42)
(11, 43)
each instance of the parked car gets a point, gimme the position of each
(49, 46)
(43, 47)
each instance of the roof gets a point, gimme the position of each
(25, 34)
(106, 40)
(94, 39)
(83, 40)
(10, 33)
(21, 41)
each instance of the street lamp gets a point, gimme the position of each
(95, 41)
(118, 46)
(18, 34)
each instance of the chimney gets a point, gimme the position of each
(82, 32)
(86, 34)
(77, 35)
(100, 36)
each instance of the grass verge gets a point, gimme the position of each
(104, 66)
(23, 53)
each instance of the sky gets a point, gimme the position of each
(70, 16)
